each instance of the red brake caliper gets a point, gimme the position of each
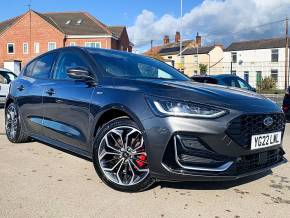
(141, 160)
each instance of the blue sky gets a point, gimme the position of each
(217, 21)
(109, 11)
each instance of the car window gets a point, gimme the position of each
(211, 81)
(6, 77)
(152, 72)
(42, 67)
(133, 66)
(3, 80)
(243, 84)
(230, 82)
(199, 79)
(67, 61)
(205, 80)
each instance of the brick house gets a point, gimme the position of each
(28, 35)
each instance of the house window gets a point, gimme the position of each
(72, 44)
(93, 44)
(274, 75)
(51, 46)
(10, 48)
(234, 57)
(25, 48)
(36, 47)
(246, 76)
(258, 78)
(275, 55)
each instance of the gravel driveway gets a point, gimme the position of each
(37, 180)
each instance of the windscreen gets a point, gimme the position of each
(117, 64)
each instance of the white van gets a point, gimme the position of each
(6, 76)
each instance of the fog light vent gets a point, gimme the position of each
(192, 143)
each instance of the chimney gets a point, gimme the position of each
(166, 39)
(177, 36)
(198, 40)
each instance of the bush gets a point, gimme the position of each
(202, 69)
(267, 84)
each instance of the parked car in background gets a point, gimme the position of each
(6, 77)
(224, 80)
(140, 120)
(286, 103)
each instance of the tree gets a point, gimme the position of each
(202, 68)
(267, 84)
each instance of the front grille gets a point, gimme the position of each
(258, 161)
(242, 128)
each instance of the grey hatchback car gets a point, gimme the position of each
(142, 121)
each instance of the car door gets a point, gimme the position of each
(67, 103)
(29, 88)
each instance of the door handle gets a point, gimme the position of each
(20, 88)
(50, 92)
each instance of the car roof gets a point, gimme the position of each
(215, 76)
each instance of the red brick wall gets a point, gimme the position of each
(19, 33)
(123, 43)
(43, 32)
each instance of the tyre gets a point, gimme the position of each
(13, 126)
(119, 156)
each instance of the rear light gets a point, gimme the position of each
(285, 108)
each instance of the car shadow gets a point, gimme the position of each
(194, 185)
(64, 150)
(212, 185)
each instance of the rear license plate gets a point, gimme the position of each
(266, 140)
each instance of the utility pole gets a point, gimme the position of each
(30, 29)
(286, 54)
(181, 14)
(180, 43)
(197, 60)
(151, 47)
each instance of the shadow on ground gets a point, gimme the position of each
(64, 150)
(208, 185)
(212, 185)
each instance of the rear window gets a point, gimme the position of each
(41, 67)
(205, 80)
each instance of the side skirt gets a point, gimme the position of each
(63, 146)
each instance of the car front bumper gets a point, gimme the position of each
(211, 153)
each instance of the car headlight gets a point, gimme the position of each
(171, 107)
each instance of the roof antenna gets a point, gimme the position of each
(29, 5)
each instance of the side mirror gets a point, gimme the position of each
(81, 74)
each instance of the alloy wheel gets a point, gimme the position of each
(11, 122)
(122, 156)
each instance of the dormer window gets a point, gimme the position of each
(79, 22)
(68, 22)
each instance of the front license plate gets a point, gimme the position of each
(266, 140)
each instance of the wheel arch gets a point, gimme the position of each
(111, 112)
